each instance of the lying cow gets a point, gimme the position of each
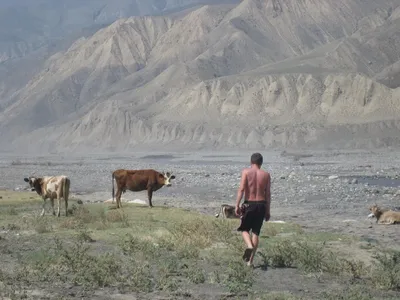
(51, 187)
(227, 212)
(385, 216)
(394, 208)
(139, 180)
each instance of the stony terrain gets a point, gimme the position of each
(303, 191)
(258, 73)
(180, 88)
(322, 196)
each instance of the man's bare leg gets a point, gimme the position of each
(254, 240)
(247, 239)
(249, 250)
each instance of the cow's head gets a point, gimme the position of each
(167, 177)
(373, 208)
(34, 183)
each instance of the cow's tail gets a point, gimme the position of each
(112, 179)
(66, 186)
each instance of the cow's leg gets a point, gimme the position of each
(52, 206)
(66, 207)
(223, 212)
(118, 198)
(150, 195)
(43, 207)
(59, 202)
(120, 202)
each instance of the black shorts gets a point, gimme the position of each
(253, 217)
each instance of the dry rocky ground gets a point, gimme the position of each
(326, 249)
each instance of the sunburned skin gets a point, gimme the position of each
(256, 188)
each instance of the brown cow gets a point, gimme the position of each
(53, 187)
(139, 180)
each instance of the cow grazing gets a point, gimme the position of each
(139, 180)
(227, 212)
(51, 187)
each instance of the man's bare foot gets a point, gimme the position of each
(247, 254)
(250, 264)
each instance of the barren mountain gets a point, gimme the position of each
(27, 25)
(31, 31)
(256, 74)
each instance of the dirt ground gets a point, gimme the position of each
(325, 250)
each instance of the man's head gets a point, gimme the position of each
(256, 159)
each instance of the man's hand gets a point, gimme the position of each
(267, 217)
(237, 210)
(240, 192)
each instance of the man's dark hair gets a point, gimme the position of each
(256, 158)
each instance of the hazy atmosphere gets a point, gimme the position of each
(192, 88)
(122, 75)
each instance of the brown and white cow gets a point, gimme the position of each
(139, 180)
(51, 187)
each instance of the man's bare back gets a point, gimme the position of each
(257, 186)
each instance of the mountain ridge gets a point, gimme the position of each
(221, 75)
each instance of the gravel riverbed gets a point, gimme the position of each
(322, 190)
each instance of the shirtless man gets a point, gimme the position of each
(255, 184)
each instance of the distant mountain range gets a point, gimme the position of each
(254, 74)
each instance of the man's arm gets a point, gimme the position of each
(268, 198)
(240, 191)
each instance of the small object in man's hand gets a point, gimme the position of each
(243, 208)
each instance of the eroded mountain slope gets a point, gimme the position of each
(220, 75)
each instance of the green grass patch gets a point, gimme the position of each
(167, 251)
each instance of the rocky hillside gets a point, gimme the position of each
(257, 74)
(33, 30)
(27, 25)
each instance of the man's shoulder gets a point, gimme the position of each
(245, 171)
(266, 173)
